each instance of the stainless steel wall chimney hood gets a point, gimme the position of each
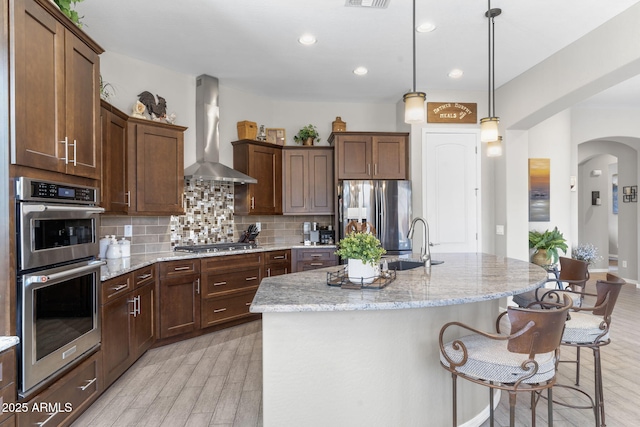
(207, 164)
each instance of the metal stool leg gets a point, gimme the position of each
(454, 377)
(597, 369)
(512, 408)
(491, 406)
(577, 365)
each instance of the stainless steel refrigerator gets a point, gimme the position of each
(385, 205)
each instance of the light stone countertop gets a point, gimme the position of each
(462, 278)
(7, 342)
(119, 266)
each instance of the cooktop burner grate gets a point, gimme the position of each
(216, 247)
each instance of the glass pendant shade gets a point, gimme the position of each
(494, 148)
(414, 111)
(489, 129)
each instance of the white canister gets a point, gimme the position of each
(125, 247)
(113, 251)
(104, 244)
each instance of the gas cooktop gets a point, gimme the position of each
(217, 247)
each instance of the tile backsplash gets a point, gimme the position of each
(208, 218)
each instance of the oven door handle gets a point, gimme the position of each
(62, 208)
(61, 275)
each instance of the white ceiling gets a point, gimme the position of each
(251, 45)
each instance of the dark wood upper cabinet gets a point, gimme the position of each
(308, 180)
(262, 161)
(371, 155)
(143, 165)
(56, 78)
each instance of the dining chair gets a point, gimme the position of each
(523, 360)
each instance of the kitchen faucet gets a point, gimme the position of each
(425, 253)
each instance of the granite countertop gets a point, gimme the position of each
(462, 278)
(7, 342)
(119, 266)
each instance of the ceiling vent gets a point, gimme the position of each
(374, 4)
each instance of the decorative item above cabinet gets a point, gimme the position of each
(371, 155)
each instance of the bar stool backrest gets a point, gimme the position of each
(573, 269)
(610, 287)
(537, 331)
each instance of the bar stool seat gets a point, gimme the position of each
(524, 360)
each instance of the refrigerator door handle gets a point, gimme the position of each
(380, 205)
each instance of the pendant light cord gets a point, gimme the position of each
(493, 64)
(413, 31)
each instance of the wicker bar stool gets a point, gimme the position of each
(525, 360)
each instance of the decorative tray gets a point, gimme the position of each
(340, 279)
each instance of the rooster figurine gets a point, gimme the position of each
(158, 110)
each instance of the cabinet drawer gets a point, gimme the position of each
(237, 261)
(7, 367)
(113, 288)
(66, 398)
(179, 268)
(230, 280)
(225, 308)
(144, 276)
(7, 395)
(316, 254)
(277, 256)
(312, 265)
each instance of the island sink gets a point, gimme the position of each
(401, 265)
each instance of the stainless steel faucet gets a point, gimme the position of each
(425, 253)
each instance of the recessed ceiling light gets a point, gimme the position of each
(456, 73)
(360, 71)
(426, 27)
(307, 39)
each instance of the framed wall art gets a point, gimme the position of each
(276, 136)
(539, 186)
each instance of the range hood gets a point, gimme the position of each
(208, 164)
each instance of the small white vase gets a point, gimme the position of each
(361, 272)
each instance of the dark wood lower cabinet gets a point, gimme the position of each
(305, 259)
(67, 398)
(127, 322)
(179, 310)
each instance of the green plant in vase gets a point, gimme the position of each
(307, 135)
(547, 244)
(363, 252)
(68, 8)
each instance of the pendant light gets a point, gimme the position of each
(489, 125)
(414, 111)
(494, 148)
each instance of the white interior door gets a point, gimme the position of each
(451, 183)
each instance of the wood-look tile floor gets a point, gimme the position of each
(216, 380)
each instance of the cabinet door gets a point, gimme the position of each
(354, 154)
(39, 88)
(266, 165)
(321, 188)
(143, 335)
(179, 305)
(296, 182)
(390, 154)
(113, 185)
(159, 170)
(82, 82)
(116, 337)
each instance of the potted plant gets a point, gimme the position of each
(306, 135)
(546, 245)
(586, 252)
(363, 251)
(66, 8)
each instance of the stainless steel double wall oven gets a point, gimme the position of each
(57, 228)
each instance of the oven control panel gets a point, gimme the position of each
(28, 189)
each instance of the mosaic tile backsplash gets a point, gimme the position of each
(208, 215)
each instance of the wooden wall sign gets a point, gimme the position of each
(452, 112)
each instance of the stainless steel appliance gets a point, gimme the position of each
(58, 276)
(383, 206)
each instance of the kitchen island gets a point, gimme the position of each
(347, 357)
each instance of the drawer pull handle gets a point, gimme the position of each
(144, 276)
(316, 256)
(279, 257)
(219, 310)
(316, 263)
(247, 303)
(219, 283)
(251, 278)
(118, 288)
(181, 268)
(51, 416)
(89, 382)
